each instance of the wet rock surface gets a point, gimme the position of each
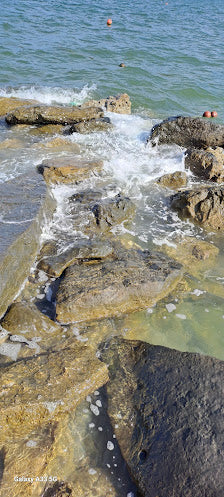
(192, 253)
(86, 250)
(173, 180)
(92, 126)
(166, 408)
(100, 213)
(42, 114)
(188, 132)
(118, 103)
(204, 205)
(135, 280)
(68, 170)
(206, 164)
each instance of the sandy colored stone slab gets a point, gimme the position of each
(134, 281)
(59, 144)
(43, 114)
(44, 388)
(7, 104)
(68, 170)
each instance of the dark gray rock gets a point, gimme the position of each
(204, 205)
(166, 408)
(188, 132)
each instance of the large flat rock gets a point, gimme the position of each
(135, 280)
(24, 203)
(43, 114)
(166, 408)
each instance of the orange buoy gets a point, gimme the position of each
(214, 113)
(207, 113)
(109, 22)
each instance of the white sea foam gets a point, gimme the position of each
(50, 95)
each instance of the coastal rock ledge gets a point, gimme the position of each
(166, 408)
(47, 114)
(188, 132)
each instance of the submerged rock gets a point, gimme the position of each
(43, 114)
(87, 250)
(135, 280)
(166, 408)
(207, 164)
(204, 205)
(192, 253)
(68, 170)
(59, 143)
(119, 103)
(93, 126)
(173, 180)
(188, 132)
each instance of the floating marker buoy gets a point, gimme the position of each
(207, 113)
(214, 113)
(109, 22)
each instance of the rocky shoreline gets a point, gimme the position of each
(46, 369)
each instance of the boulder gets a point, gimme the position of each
(135, 280)
(173, 180)
(166, 408)
(188, 132)
(207, 164)
(8, 104)
(204, 205)
(68, 170)
(11, 143)
(89, 251)
(93, 126)
(43, 114)
(119, 103)
(100, 213)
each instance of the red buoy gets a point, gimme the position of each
(109, 22)
(207, 113)
(214, 113)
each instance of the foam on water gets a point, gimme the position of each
(48, 95)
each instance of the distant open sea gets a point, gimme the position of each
(173, 51)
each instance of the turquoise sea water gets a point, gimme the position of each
(173, 50)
